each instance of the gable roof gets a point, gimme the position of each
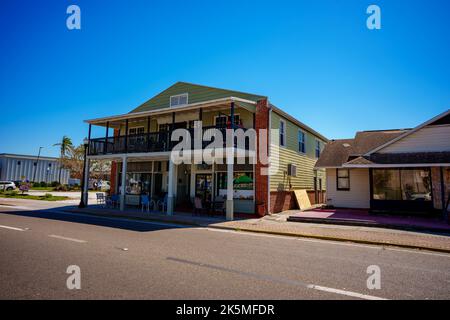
(196, 94)
(436, 120)
(338, 152)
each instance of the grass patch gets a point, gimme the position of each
(46, 197)
(42, 189)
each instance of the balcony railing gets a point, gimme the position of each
(145, 142)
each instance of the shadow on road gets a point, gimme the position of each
(118, 223)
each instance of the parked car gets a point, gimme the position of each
(73, 182)
(103, 185)
(7, 185)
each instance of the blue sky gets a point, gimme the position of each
(314, 59)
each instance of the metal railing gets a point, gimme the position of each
(145, 142)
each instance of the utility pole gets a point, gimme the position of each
(37, 163)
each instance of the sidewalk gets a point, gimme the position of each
(363, 218)
(277, 225)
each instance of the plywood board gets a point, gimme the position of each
(302, 199)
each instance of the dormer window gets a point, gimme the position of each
(179, 100)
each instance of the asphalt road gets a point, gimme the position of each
(123, 259)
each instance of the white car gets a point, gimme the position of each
(7, 185)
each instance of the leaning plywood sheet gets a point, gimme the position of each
(302, 199)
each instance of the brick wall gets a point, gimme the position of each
(261, 181)
(285, 200)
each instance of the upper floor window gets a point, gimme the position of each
(282, 133)
(301, 141)
(164, 127)
(318, 148)
(138, 130)
(224, 121)
(179, 100)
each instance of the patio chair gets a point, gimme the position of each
(162, 203)
(198, 207)
(101, 198)
(219, 205)
(113, 200)
(153, 204)
(145, 202)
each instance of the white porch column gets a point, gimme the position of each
(229, 203)
(152, 185)
(86, 182)
(123, 186)
(170, 197)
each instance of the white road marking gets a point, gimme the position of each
(65, 238)
(12, 228)
(16, 207)
(345, 292)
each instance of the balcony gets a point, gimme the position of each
(145, 142)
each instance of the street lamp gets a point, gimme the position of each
(83, 180)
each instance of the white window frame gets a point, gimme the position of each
(178, 96)
(228, 116)
(318, 144)
(304, 141)
(136, 130)
(284, 133)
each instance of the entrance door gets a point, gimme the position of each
(203, 186)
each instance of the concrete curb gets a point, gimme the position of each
(369, 224)
(339, 239)
(259, 231)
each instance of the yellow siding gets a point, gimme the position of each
(290, 155)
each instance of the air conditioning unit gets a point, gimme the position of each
(292, 170)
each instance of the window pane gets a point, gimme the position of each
(386, 184)
(343, 173)
(183, 100)
(343, 183)
(416, 185)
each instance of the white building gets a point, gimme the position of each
(15, 167)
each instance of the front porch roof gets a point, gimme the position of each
(165, 155)
(210, 104)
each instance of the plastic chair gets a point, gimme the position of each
(113, 200)
(198, 206)
(162, 203)
(101, 198)
(145, 202)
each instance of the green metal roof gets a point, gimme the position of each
(196, 93)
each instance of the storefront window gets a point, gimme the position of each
(137, 183)
(242, 184)
(401, 184)
(416, 185)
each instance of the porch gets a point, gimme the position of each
(151, 131)
(155, 184)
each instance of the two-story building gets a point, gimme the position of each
(139, 144)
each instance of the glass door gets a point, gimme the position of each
(203, 186)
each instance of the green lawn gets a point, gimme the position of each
(43, 188)
(27, 196)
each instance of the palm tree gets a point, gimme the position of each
(64, 146)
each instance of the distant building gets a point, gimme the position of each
(14, 167)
